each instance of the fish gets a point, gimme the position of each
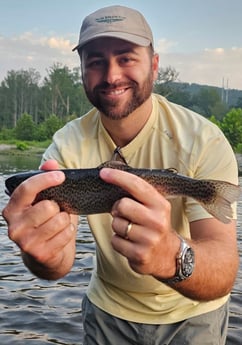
(83, 192)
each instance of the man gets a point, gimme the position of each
(164, 269)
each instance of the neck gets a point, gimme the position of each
(123, 131)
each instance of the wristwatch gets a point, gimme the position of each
(185, 262)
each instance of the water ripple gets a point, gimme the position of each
(39, 312)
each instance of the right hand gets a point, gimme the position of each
(44, 234)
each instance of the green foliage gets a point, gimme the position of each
(25, 128)
(7, 133)
(164, 79)
(214, 120)
(205, 100)
(52, 124)
(219, 110)
(239, 102)
(47, 128)
(61, 93)
(239, 148)
(231, 125)
(22, 146)
(30, 110)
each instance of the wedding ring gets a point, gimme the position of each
(127, 231)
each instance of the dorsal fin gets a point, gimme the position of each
(116, 162)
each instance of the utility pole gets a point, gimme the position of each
(225, 91)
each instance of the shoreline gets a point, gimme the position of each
(10, 149)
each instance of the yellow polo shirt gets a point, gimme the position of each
(173, 137)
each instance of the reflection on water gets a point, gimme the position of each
(38, 312)
(10, 164)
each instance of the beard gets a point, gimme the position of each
(114, 109)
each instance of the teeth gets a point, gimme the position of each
(116, 92)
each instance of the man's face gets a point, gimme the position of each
(117, 75)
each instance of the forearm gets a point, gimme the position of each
(216, 266)
(213, 276)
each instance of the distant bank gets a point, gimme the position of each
(12, 149)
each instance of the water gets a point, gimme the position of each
(38, 312)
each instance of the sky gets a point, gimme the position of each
(202, 40)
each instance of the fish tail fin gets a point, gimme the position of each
(220, 205)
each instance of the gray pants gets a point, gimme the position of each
(101, 328)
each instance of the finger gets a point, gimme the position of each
(131, 210)
(51, 164)
(54, 225)
(47, 241)
(133, 184)
(27, 221)
(63, 220)
(120, 226)
(40, 213)
(128, 248)
(61, 235)
(25, 194)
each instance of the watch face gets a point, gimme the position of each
(188, 263)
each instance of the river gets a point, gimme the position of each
(39, 312)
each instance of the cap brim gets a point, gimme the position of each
(139, 40)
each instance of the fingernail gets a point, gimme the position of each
(59, 176)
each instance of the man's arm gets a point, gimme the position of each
(152, 244)
(216, 260)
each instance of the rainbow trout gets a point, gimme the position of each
(84, 192)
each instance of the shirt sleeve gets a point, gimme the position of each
(212, 158)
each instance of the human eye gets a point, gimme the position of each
(126, 60)
(95, 63)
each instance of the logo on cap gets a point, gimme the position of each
(110, 19)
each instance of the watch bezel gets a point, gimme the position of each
(185, 261)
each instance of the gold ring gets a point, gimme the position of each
(127, 231)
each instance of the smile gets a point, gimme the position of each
(114, 92)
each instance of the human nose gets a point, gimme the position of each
(113, 72)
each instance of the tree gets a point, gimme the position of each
(165, 77)
(25, 128)
(51, 125)
(219, 109)
(20, 95)
(179, 96)
(232, 127)
(239, 102)
(61, 88)
(205, 100)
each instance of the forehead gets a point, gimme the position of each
(109, 45)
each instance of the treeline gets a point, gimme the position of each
(23, 92)
(33, 109)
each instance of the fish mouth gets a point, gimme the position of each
(7, 192)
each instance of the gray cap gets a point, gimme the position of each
(116, 21)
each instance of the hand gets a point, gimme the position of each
(152, 244)
(41, 231)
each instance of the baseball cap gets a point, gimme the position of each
(116, 21)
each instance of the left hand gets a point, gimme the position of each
(152, 244)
